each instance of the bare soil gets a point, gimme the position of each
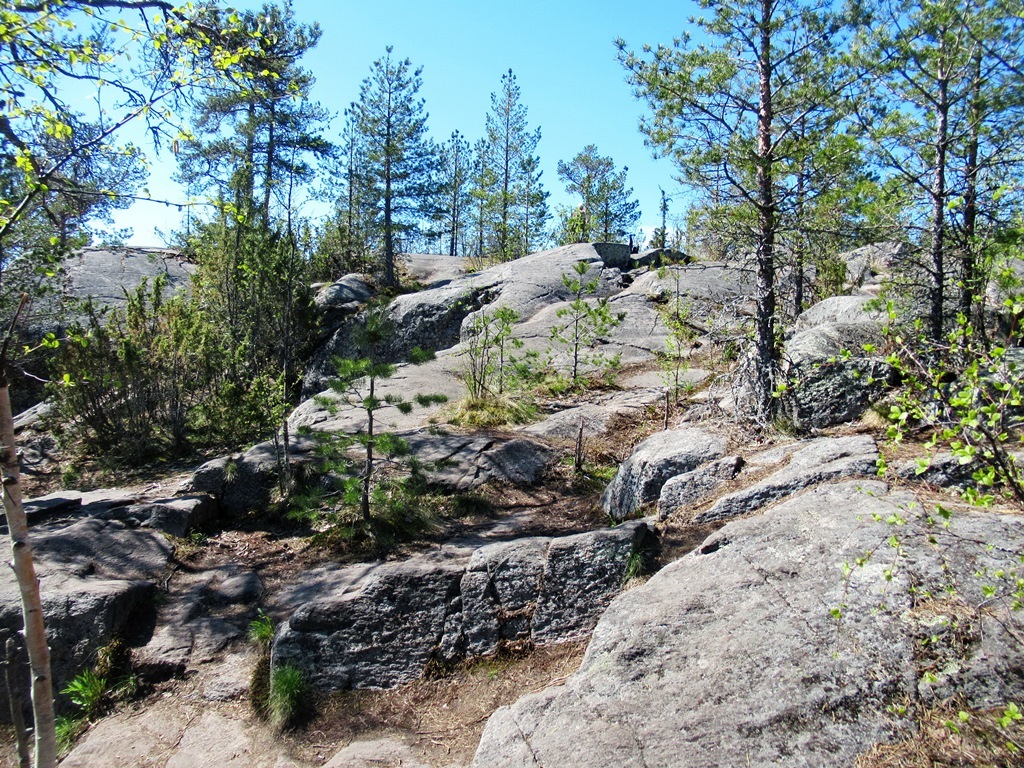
(442, 716)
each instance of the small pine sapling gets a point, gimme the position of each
(357, 383)
(586, 321)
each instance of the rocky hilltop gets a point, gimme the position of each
(804, 610)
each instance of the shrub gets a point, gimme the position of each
(967, 391)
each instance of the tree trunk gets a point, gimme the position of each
(765, 359)
(969, 258)
(937, 288)
(368, 466)
(390, 280)
(28, 583)
(269, 171)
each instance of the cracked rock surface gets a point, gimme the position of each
(382, 626)
(730, 655)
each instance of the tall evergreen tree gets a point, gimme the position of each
(392, 122)
(607, 211)
(455, 168)
(347, 235)
(263, 126)
(535, 207)
(480, 192)
(945, 121)
(509, 156)
(727, 112)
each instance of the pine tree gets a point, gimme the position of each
(607, 211)
(392, 122)
(945, 121)
(726, 111)
(509, 157)
(263, 125)
(455, 167)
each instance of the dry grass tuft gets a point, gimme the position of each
(442, 716)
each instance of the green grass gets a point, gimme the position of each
(69, 728)
(87, 691)
(640, 563)
(492, 411)
(261, 631)
(287, 699)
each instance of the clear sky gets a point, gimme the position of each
(561, 52)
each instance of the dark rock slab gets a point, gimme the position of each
(831, 377)
(97, 577)
(389, 625)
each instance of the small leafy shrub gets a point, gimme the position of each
(967, 391)
(496, 378)
(158, 379)
(675, 358)
(287, 698)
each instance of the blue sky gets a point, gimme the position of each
(561, 52)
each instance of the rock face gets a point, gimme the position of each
(832, 377)
(866, 265)
(598, 414)
(662, 456)
(809, 463)
(696, 485)
(385, 627)
(244, 482)
(730, 656)
(96, 577)
(461, 463)
(342, 299)
(106, 273)
(434, 318)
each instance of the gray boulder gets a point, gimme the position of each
(697, 485)
(808, 464)
(97, 577)
(464, 462)
(866, 266)
(341, 299)
(343, 293)
(385, 626)
(664, 455)
(244, 482)
(731, 655)
(832, 376)
(176, 516)
(435, 318)
(839, 309)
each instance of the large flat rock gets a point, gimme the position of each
(95, 577)
(731, 656)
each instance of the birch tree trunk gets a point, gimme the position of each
(28, 583)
